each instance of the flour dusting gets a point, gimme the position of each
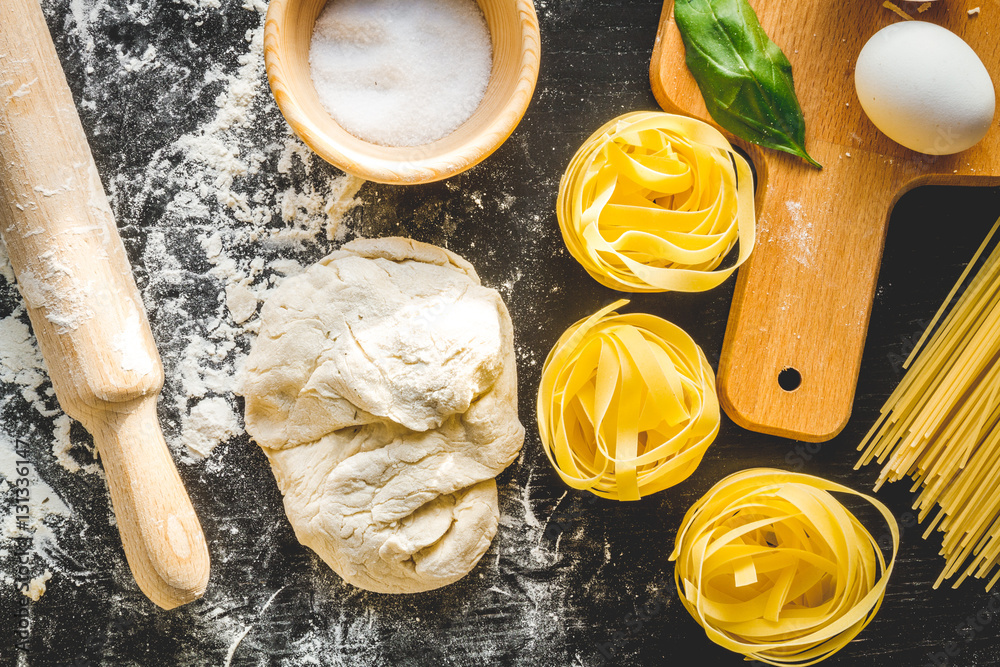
(249, 241)
(217, 202)
(256, 212)
(21, 363)
(31, 532)
(210, 422)
(131, 347)
(798, 238)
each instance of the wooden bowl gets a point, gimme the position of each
(516, 47)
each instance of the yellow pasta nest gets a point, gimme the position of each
(627, 405)
(773, 567)
(654, 202)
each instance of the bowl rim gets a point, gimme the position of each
(434, 167)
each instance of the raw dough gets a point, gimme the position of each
(36, 587)
(383, 389)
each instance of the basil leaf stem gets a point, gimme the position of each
(744, 77)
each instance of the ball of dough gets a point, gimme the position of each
(383, 389)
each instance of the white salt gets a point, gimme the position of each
(401, 72)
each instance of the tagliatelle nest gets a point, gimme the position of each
(774, 567)
(627, 405)
(654, 202)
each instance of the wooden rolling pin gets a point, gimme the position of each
(85, 309)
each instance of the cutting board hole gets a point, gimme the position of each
(789, 379)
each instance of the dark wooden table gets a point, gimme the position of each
(568, 581)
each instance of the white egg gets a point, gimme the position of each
(925, 88)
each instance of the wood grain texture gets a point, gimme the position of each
(567, 574)
(803, 300)
(516, 52)
(85, 309)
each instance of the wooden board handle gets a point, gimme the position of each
(85, 309)
(800, 311)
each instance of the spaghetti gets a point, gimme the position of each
(627, 405)
(773, 567)
(654, 202)
(941, 426)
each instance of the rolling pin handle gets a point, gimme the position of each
(161, 534)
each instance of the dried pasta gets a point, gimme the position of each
(941, 426)
(627, 405)
(774, 567)
(654, 202)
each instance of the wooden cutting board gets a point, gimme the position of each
(803, 300)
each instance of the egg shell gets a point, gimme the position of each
(925, 88)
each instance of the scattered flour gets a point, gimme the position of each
(22, 366)
(309, 212)
(47, 513)
(250, 243)
(210, 422)
(6, 271)
(130, 63)
(219, 216)
(246, 629)
(61, 443)
(242, 302)
(129, 345)
(798, 240)
(250, 239)
(21, 363)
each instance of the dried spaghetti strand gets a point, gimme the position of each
(654, 202)
(775, 568)
(627, 405)
(941, 426)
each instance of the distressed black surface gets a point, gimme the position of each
(546, 594)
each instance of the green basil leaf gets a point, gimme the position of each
(744, 77)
